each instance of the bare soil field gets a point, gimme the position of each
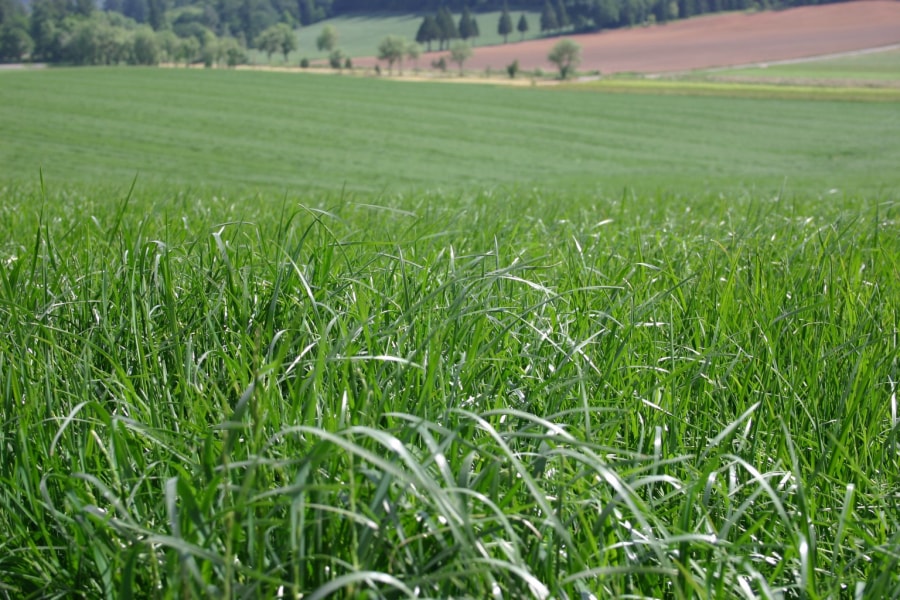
(710, 41)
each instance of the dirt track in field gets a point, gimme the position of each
(711, 40)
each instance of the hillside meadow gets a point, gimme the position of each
(874, 68)
(360, 33)
(273, 336)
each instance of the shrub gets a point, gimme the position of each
(335, 59)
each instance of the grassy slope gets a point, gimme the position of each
(298, 133)
(360, 34)
(212, 389)
(874, 67)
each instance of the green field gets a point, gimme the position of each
(359, 35)
(355, 338)
(874, 68)
(296, 134)
(748, 88)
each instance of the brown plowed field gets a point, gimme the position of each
(712, 40)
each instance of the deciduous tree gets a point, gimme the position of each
(327, 40)
(188, 50)
(392, 49)
(335, 59)
(460, 52)
(233, 52)
(413, 52)
(168, 45)
(277, 38)
(145, 47)
(566, 55)
(288, 40)
(15, 43)
(512, 69)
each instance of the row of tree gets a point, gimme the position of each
(477, 6)
(112, 39)
(573, 15)
(243, 20)
(44, 30)
(566, 55)
(74, 32)
(441, 27)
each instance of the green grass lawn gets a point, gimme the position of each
(353, 338)
(309, 133)
(875, 67)
(360, 34)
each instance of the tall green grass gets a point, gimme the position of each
(500, 394)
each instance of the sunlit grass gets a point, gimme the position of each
(506, 394)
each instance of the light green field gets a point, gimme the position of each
(359, 35)
(352, 338)
(765, 89)
(310, 133)
(875, 67)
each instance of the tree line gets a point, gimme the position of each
(57, 30)
(49, 30)
(560, 16)
(690, 7)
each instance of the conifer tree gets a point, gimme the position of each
(549, 21)
(523, 25)
(446, 27)
(562, 16)
(428, 31)
(465, 24)
(504, 26)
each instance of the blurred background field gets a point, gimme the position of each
(294, 133)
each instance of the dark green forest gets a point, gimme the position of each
(218, 31)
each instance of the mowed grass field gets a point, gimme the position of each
(305, 133)
(351, 338)
(875, 68)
